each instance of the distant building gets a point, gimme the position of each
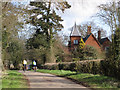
(75, 37)
(90, 39)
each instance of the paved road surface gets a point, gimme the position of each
(44, 80)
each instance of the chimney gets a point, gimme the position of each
(99, 35)
(89, 30)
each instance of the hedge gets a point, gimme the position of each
(103, 67)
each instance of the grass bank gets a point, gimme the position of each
(14, 79)
(89, 80)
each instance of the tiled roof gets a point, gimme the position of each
(102, 40)
(75, 31)
(84, 39)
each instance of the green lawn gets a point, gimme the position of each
(14, 79)
(90, 80)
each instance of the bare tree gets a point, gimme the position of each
(94, 29)
(119, 13)
(109, 15)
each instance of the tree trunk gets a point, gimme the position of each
(50, 54)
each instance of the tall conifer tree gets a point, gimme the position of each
(47, 22)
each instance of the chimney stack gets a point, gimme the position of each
(89, 30)
(99, 35)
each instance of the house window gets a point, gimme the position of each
(75, 41)
(106, 49)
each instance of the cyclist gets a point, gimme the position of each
(24, 65)
(34, 65)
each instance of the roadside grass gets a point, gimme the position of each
(14, 79)
(86, 79)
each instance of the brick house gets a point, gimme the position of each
(75, 37)
(90, 39)
(105, 42)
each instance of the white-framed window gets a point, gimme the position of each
(75, 41)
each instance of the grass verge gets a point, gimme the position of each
(14, 79)
(88, 80)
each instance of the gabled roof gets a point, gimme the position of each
(103, 40)
(75, 31)
(86, 38)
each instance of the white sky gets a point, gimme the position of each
(80, 11)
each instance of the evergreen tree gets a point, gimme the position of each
(47, 22)
(117, 44)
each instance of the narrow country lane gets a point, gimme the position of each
(44, 80)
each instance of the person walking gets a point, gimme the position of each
(24, 65)
(34, 65)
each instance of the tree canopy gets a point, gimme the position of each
(47, 23)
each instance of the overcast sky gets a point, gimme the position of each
(81, 11)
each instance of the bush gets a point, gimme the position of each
(90, 53)
(60, 65)
(55, 67)
(103, 67)
(72, 67)
(86, 53)
(111, 68)
(88, 67)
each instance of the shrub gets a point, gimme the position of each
(104, 67)
(54, 67)
(66, 66)
(111, 68)
(90, 53)
(86, 53)
(60, 65)
(72, 66)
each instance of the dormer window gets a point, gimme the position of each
(75, 41)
